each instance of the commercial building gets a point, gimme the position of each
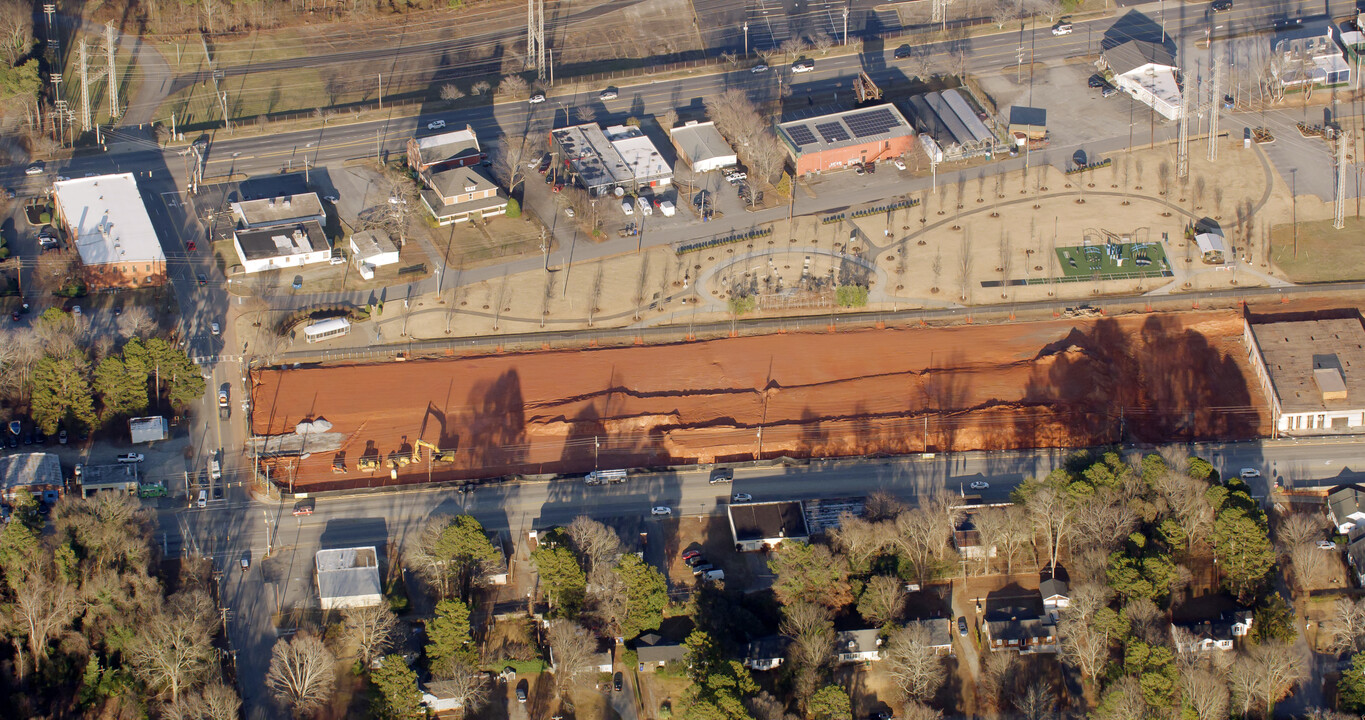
(120, 478)
(372, 249)
(1027, 124)
(282, 246)
(756, 526)
(458, 194)
(619, 157)
(433, 153)
(38, 473)
(1146, 71)
(842, 140)
(282, 210)
(702, 147)
(1312, 373)
(1306, 53)
(148, 429)
(348, 577)
(105, 219)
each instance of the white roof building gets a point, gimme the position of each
(646, 163)
(1147, 71)
(348, 577)
(702, 146)
(282, 246)
(283, 210)
(105, 219)
(373, 248)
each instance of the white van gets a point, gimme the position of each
(713, 575)
(597, 477)
(215, 469)
(203, 499)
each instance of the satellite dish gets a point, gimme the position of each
(619, 192)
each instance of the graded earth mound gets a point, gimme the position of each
(1060, 383)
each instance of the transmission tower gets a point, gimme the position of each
(1182, 148)
(1215, 106)
(109, 69)
(535, 37)
(1339, 220)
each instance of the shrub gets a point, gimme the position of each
(741, 304)
(513, 208)
(851, 296)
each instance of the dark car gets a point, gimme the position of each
(904, 52)
(61, 435)
(703, 568)
(202, 280)
(14, 316)
(617, 682)
(217, 492)
(28, 436)
(9, 193)
(1221, 5)
(1097, 81)
(722, 475)
(38, 437)
(694, 561)
(962, 626)
(12, 440)
(521, 691)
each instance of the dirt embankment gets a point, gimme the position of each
(1060, 383)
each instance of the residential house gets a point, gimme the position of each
(1355, 555)
(1146, 71)
(940, 633)
(767, 653)
(1015, 620)
(967, 540)
(654, 652)
(1346, 505)
(1055, 594)
(458, 194)
(1305, 52)
(1206, 635)
(858, 645)
(602, 661)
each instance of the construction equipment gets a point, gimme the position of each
(339, 461)
(437, 454)
(399, 459)
(367, 464)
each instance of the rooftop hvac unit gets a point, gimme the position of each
(288, 203)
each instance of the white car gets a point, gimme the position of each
(34, 170)
(741, 498)
(537, 98)
(1061, 29)
(330, 198)
(980, 485)
(899, 163)
(1326, 545)
(661, 510)
(337, 260)
(75, 309)
(607, 94)
(436, 124)
(758, 69)
(803, 66)
(130, 458)
(626, 208)
(645, 207)
(215, 328)
(1249, 473)
(568, 212)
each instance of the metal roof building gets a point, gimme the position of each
(148, 429)
(702, 146)
(348, 577)
(755, 526)
(39, 473)
(282, 210)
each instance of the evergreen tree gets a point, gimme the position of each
(395, 691)
(646, 596)
(121, 393)
(61, 392)
(1351, 687)
(448, 637)
(562, 578)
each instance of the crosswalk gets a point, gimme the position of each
(212, 359)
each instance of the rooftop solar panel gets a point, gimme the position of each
(873, 122)
(832, 132)
(801, 135)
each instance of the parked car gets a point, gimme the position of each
(962, 626)
(61, 435)
(803, 66)
(980, 485)
(1326, 545)
(688, 555)
(1097, 81)
(9, 193)
(703, 568)
(626, 208)
(661, 510)
(537, 98)
(436, 124)
(202, 280)
(666, 207)
(304, 507)
(521, 691)
(336, 260)
(1109, 91)
(608, 94)
(617, 682)
(190, 246)
(215, 329)
(694, 561)
(127, 458)
(298, 282)
(899, 163)
(645, 207)
(1061, 28)
(568, 212)
(35, 169)
(741, 498)
(203, 500)
(722, 475)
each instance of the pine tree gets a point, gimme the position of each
(396, 695)
(61, 391)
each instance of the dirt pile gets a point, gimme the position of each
(1060, 383)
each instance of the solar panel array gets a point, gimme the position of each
(801, 135)
(873, 122)
(832, 132)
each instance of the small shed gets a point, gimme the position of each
(148, 429)
(1028, 122)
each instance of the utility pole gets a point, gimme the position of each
(227, 123)
(845, 25)
(381, 91)
(114, 109)
(746, 38)
(1182, 148)
(1339, 220)
(1216, 104)
(81, 49)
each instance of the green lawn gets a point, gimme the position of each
(1131, 260)
(1325, 254)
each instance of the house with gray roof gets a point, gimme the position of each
(654, 652)
(858, 645)
(940, 633)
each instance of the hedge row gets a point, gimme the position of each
(886, 208)
(1092, 166)
(717, 242)
(831, 219)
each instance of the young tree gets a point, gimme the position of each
(830, 702)
(513, 86)
(302, 674)
(452, 554)
(373, 629)
(451, 91)
(572, 649)
(174, 650)
(646, 596)
(396, 695)
(810, 573)
(881, 601)
(449, 642)
(913, 664)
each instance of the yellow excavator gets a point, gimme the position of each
(437, 454)
(367, 464)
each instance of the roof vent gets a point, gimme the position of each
(287, 202)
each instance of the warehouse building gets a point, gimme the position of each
(950, 121)
(1312, 373)
(282, 210)
(702, 147)
(842, 140)
(620, 156)
(105, 219)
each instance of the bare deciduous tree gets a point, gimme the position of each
(740, 121)
(373, 629)
(1007, 530)
(596, 542)
(584, 114)
(1297, 537)
(822, 43)
(923, 532)
(572, 649)
(451, 91)
(860, 540)
(302, 674)
(882, 505)
(1265, 673)
(1084, 645)
(913, 664)
(465, 684)
(1123, 700)
(1051, 513)
(16, 29)
(1206, 690)
(1037, 701)
(513, 86)
(479, 87)
(173, 649)
(919, 711)
(1105, 519)
(43, 604)
(1348, 626)
(882, 599)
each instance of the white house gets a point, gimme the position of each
(372, 249)
(858, 645)
(767, 653)
(348, 577)
(1146, 71)
(281, 246)
(1346, 504)
(1312, 373)
(1208, 635)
